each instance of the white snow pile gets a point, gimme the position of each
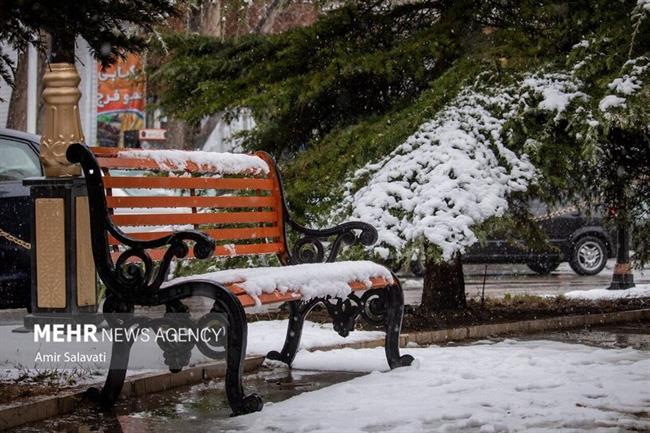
(640, 291)
(217, 162)
(627, 84)
(310, 280)
(445, 178)
(511, 386)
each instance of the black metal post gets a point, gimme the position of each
(623, 278)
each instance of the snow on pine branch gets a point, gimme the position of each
(557, 90)
(453, 173)
(627, 84)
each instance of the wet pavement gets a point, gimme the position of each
(201, 408)
(633, 335)
(196, 408)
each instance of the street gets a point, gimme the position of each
(519, 280)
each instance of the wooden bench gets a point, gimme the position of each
(227, 205)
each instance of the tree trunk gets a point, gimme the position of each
(444, 285)
(17, 115)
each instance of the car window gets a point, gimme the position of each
(17, 161)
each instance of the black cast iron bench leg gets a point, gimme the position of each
(236, 353)
(298, 311)
(115, 379)
(224, 302)
(394, 314)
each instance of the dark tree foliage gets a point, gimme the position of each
(110, 27)
(356, 61)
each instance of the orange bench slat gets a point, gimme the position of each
(191, 201)
(222, 251)
(188, 183)
(123, 163)
(217, 234)
(276, 297)
(194, 218)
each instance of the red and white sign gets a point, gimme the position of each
(153, 134)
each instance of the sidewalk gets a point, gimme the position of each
(316, 337)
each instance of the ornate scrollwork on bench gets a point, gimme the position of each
(370, 306)
(311, 246)
(133, 276)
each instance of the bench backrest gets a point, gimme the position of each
(242, 210)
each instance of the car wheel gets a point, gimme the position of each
(589, 256)
(543, 267)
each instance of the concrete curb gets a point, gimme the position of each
(134, 386)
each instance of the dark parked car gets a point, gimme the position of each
(579, 239)
(18, 160)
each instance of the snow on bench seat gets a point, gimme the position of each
(307, 281)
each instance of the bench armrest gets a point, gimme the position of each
(124, 277)
(309, 247)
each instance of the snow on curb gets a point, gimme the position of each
(641, 291)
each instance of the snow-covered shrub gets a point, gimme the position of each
(452, 174)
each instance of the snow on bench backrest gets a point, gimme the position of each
(234, 198)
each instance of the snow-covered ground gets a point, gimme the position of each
(532, 386)
(18, 352)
